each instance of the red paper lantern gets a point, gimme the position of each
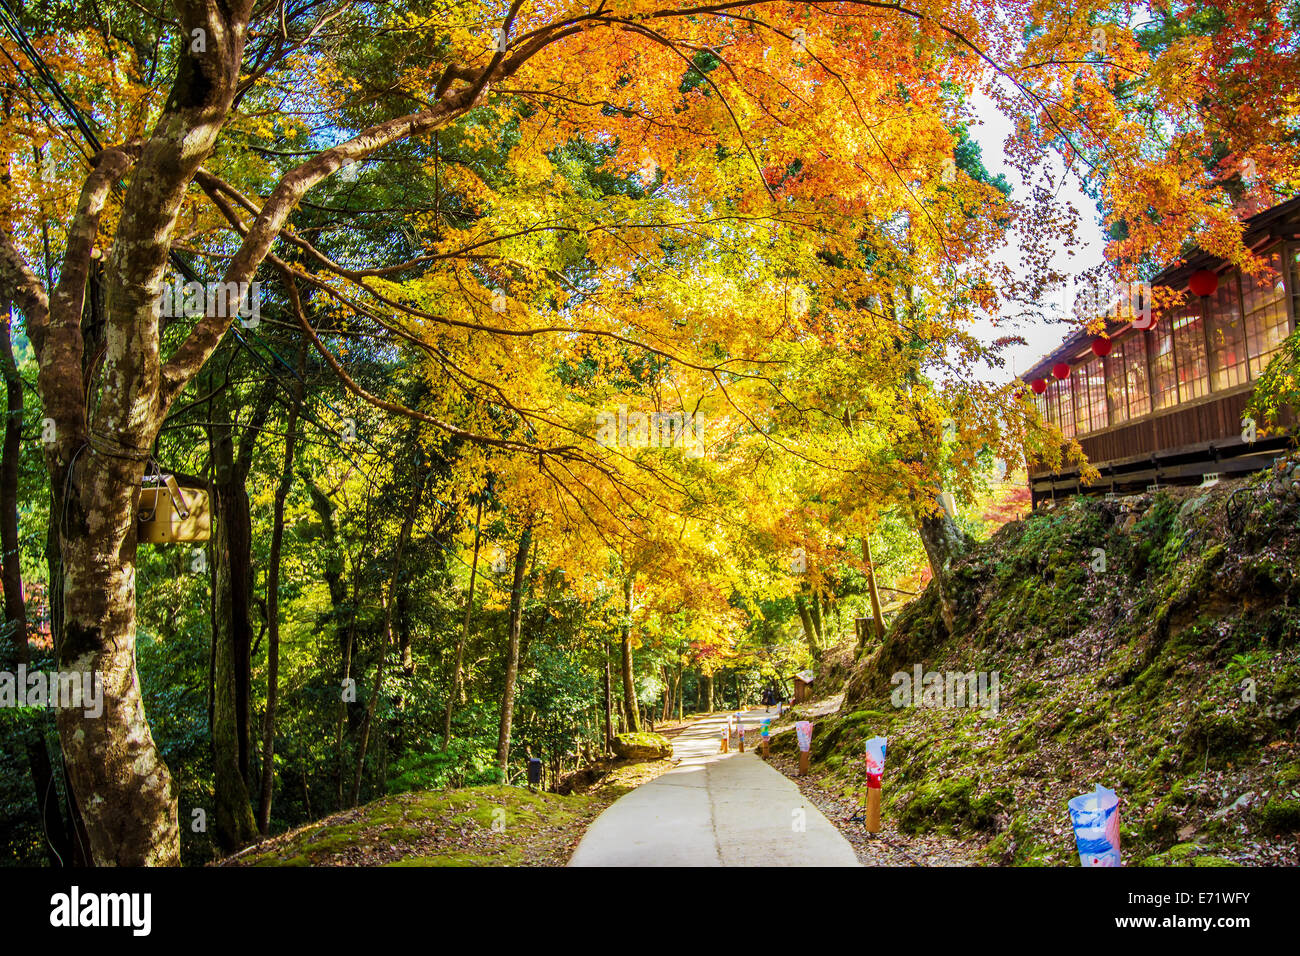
(1101, 347)
(1061, 370)
(1039, 385)
(1203, 282)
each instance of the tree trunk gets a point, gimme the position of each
(105, 432)
(406, 653)
(273, 601)
(666, 711)
(343, 707)
(512, 649)
(456, 673)
(394, 582)
(122, 786)
(944, 543)
(232, 631)
(332, 570)
(58, 847)
(625, 644)
(343, 626)
(809, 631)
(609, 699)
(708, 693)
(876, 616)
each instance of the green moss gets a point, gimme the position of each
(826, 738)
(508, 857)
(1178, 855)
(1289, 774)
(869, 719)
(1186, 854)
(504, 819)
(1280, 816)
(1216, 738)
(1129, 678)
(953, 804)
(1019, 845)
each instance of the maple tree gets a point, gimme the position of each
(748, 211)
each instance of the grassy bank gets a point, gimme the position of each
(1149, 644)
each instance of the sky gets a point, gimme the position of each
(991, 129)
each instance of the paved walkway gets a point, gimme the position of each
(714, 809)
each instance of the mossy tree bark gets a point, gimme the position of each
(625, 646)
(512, 647)
(341, 617)
(273, 599)
(878, 619)
(232, 628)
(609, 701)
(394, 582)
(944, 542)
(809, 627)
(458, 663)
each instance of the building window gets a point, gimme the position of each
(1295, 286)
(1090, 397)
(1164, 378)
(1135, 374)
(1116, 386)
(1079, 388)
(1064, 400)
(1266, 318)
(1189, 343)
(1227, 335)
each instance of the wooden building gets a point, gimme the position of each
(1166, 405)
(803, 686)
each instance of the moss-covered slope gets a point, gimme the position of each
(474, 826)
(1149, 645)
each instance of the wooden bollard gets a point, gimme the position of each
(726, 740)
(873, 808)
(742, 739)
(767, 747)
(803, 733)
(875, 770)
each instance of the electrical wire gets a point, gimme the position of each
(11, 22)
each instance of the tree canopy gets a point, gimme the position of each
(525, 349)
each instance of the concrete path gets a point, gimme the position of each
(714, 809)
